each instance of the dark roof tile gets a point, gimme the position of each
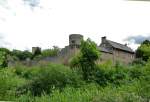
(104, 49)
(120, 46)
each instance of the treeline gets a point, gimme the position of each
(142, 54)
(17, 55)
(143, 51)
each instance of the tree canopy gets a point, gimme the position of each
(4, 57)
(86, 58)
(143, 50)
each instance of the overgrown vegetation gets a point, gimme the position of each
(144, 50)
(85, 60)
(4, 53)
(50, 52)
(57, 83)
(84, 81)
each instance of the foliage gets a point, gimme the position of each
(146, 42)
(50, 52)
(9, 82)
(139, 61)
(86, 59)
(5, 50)
(75, 61)
(37, 52)
(132, 92)
(51, 77)
(22, 55)
(58, 83)
(113, 75)
(144, 50)
(4, 57)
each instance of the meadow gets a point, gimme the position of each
(59, 83)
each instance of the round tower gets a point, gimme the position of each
(75, 40)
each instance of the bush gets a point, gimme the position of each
(50, 52)
(26, 72)
(4, 57)
(105, 76)
(143, 50)
(86, 59)
(101, 77)
(21, 55)
(135, 73)
(138, 61)
(52, 77)
(9, 82)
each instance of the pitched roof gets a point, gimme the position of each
(120, 46)
(104, 49)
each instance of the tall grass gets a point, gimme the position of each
(9, 82)
(58, 83)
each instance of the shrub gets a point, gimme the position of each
(101, 77)
(138, 61)
(9, 82)
(143, 50)
(52, 77)
(86, 59)
(21, 55)
(26, 72)
(113, 75)
(4, 57)
(135, 73)
(50, 52)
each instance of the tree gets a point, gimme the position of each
(22, 55)
(50, 52)
(4, 57)
(86, 59)
(143, 50)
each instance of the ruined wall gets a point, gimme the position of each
(63, 56)
(122, 56)
(105, 57)
(36, 49)
(75, 40)
(66, 54)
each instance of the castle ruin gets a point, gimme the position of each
(110, 50)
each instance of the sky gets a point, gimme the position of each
(45, 23)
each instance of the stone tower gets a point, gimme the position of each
(75, 40)
(36, 50)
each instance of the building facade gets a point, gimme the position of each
(115, 51)
(110, 50)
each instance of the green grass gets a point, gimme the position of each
(58, 83)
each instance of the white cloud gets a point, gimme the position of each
(51, 22)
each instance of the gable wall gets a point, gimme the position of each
(106, 45)
(122, 56)
(105, 57)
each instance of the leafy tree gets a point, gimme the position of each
(26, 54)
(4, 57)
(50, 52)
(147, 42)
(36, 53)
(21, 55)
(143, 50)
(86, 60)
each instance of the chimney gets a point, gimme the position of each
(103, 39)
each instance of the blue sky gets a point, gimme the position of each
(44, 23)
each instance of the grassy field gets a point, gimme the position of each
(58, 83)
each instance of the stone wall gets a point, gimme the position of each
(75, 40)
(63, 56)
(105, 57)
(122, 56)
